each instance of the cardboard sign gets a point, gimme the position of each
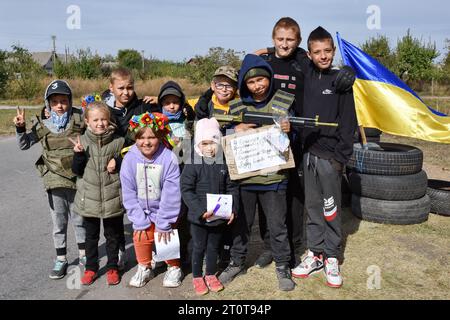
(253, 153)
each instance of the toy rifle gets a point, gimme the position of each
(269, 119)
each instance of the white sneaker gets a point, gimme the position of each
(141, 277)
(172, 278)
(332, 273)
(310, 264)
(123, 259)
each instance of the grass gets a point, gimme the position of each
(413, 262)
(6, 120)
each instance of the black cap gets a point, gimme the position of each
(170, 91)
(57, 87)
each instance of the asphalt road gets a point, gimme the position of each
(27, 253)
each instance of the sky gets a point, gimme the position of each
(177, 30)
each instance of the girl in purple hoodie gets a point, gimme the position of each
(150, 178)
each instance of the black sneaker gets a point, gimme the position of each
(59, 269)
(231, 272)
(285, 282)
(264, 259)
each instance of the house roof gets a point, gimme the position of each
(42, 57)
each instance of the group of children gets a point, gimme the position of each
(116, 156)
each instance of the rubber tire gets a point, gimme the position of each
(387, 159)
(406, 187)
(439, 193)
(372, 132)
(391, 212)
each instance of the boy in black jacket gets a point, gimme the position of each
(326, 151)
(124, 104)
(207, 174)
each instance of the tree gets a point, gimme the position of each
(446, 62)
(415, 59)
(84, 65)
(3, 72)
(24, 74)
(216, 57)
(130, 59)
(379, 49)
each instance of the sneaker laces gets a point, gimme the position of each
(213, 281)
(59, 264)
(332, 267)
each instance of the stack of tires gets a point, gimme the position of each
(388, 184)
(439, 193)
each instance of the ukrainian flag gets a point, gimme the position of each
(383, 101)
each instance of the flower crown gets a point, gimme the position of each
(88, 99)
(158, 122)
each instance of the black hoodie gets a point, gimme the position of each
(321, 99)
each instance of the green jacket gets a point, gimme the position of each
(279, 104)
(98, 192)
(55, 163)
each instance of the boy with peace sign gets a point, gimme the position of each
(55, 165)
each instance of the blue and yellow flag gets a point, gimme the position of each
(383, 101)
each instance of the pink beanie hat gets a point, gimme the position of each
(206, 129)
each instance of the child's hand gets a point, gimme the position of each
(19, 119)
(77, 146)
(111, 167)
(244, 127)
(150, 99)
(261, 51)
(207, 215)
(230, 221)
(47, 113)
(285, 125)
(165, 236)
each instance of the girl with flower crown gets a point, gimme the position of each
(150, 178)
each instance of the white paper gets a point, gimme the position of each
(259, 150)
(220, 204)
(169, 251)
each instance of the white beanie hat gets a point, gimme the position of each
(206, 129)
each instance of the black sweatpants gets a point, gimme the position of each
(294, 217)
(205, 239)
(323, 206)
(113, 229)
(273, 203)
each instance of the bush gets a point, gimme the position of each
(24, 74)
(216, 57)
(84, 65)
(3, 72)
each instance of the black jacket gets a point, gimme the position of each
(121, 117)
(321, 99)
(199, 179)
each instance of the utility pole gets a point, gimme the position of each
(143, 61)
(54, 47)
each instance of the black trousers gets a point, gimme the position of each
(323, 206)
(113, 229)
(294, 218)
(273, 203)
(205, 239)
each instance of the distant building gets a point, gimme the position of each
(45, 60)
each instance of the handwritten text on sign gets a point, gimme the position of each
(257, 151)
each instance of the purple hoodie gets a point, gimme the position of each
(160, 201)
